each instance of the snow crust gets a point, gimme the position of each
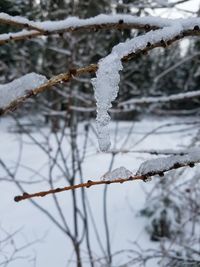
(119, 173)
(152, 166)
(18, 87)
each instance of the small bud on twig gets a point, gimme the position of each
(176, 165)
(72, 72)
(163, 43)
(147, 27)
(196, 28)
(89, 182)
(191, 165)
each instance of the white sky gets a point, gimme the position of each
(181, 11)
(191, 5)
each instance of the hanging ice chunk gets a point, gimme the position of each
(119, 173)
(106, 87)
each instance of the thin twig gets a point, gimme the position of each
(90, 183)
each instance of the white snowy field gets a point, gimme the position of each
(124, 200)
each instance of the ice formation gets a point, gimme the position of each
(119, 173)
(106, 87)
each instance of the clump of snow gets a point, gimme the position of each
(17, 88)
(119, 173)
(159, 165)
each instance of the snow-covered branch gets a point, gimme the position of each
(30, 90)
(71, 24)
(18, 21)
(160, 99)
(75, 23)
(165, 152)
(161, 165)
(146, 170)
(33, 29)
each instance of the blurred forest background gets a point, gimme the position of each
(51, 141)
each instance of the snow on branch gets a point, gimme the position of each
(76, 23)
(18, 21)
(161, 99)
(160, 165)
(112, 21)
(11, 91)
(166, 152)
(22, 35)
(120, 175)
(41, 87)
(34, 29)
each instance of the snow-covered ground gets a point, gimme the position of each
(124, 200)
